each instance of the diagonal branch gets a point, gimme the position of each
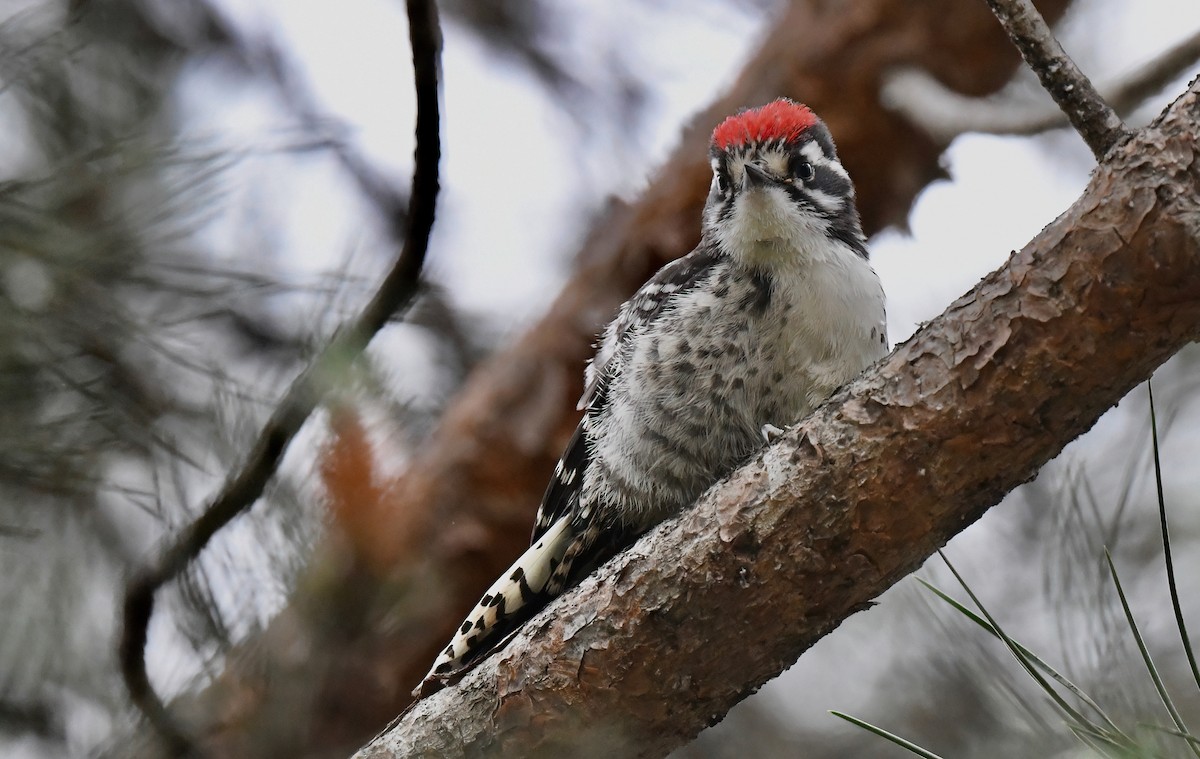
(645, 653)
(1096, 121)
(246, 485)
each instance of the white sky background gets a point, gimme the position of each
(518, 173)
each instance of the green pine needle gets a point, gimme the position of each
(1149, 662)
(907, 745)
(1166, 539)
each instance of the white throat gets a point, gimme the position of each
(766, 228)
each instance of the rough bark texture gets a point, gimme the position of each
(709, 606)
(417, 552)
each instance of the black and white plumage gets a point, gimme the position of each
(775, 309)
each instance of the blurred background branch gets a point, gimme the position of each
(247, 483)
(945, 114)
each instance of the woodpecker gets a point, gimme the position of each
(775, 309)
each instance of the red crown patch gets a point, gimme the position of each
(783, 120)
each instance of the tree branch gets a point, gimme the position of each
(1100, 126)
(246, 485)
(944, 114)
(646, 653)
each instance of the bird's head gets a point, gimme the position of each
(778, 188)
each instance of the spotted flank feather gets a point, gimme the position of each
(646, 305)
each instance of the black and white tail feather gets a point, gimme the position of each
(566, 544)
(775, 309)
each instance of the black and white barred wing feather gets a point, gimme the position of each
(567, 542)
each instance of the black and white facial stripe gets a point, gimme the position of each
(808, 170)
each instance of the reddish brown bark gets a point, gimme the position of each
(374, 609)
(643, 655)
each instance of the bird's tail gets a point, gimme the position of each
(533, 579)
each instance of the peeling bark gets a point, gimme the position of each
(709, 606)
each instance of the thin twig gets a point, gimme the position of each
(945, 114)
(1094, 119)
(246, 485)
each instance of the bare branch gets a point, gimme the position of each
(1093, 118)
(246, 485)
(945, 114)
(645, 653)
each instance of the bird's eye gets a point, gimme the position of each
(804, 170)
(721, 182)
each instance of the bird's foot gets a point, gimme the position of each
(771, 433)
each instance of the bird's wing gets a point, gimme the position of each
(646, 305)
(567, 543)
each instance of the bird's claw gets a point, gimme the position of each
(771, 433)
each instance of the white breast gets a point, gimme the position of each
(696, 387)
(836, 323)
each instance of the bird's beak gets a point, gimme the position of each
(754, 176)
